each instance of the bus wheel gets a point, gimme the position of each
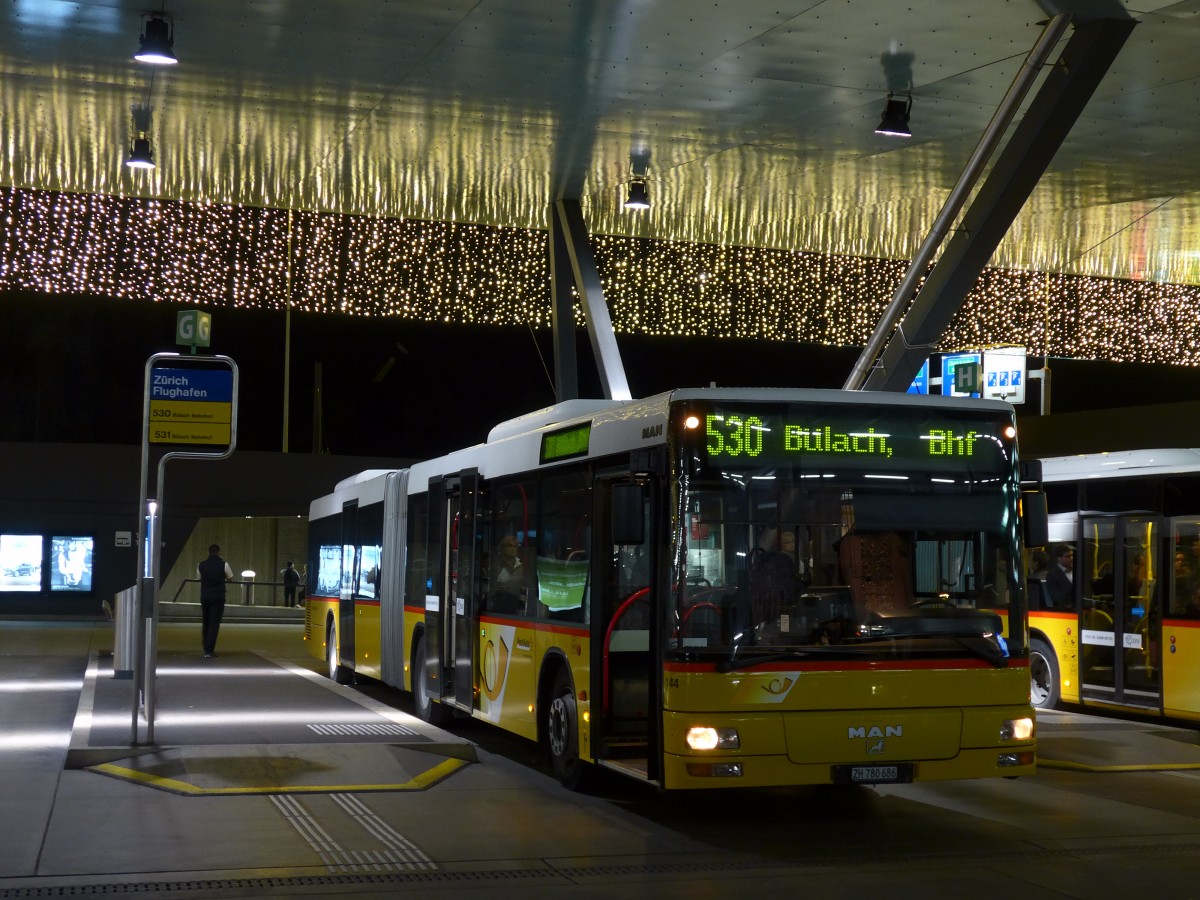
(1043, 675)
(562, 732)
(336, 673)
(427, 709)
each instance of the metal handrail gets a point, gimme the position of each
(188, 581)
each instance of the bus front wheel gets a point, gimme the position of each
(1043, 675)
(562, 733)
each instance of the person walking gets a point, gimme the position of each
(291, 581)
(213, 572)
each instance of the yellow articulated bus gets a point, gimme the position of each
(1123, 631)
(706, 588)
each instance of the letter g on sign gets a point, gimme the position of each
(193, 328)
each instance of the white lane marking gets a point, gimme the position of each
(361, 728)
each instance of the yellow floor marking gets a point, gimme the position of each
(425, 780)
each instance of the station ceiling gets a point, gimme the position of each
(753, 119)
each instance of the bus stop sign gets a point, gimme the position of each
(193, 329)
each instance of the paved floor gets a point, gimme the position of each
(266, 779)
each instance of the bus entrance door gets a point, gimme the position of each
(626, 630)
(452, 627)
(1120, 619)
(350, 561)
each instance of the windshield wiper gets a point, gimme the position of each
(989, 649)
(983, 647)
(730, 664)
(978, 645)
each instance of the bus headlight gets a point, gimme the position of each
(703, 737)
(1016, 730)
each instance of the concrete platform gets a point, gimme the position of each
(244, 722)
(1088, 743)
(264, 778)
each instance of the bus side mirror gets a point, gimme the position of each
(628, 517)
(1035, 519)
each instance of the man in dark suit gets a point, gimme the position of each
(214, 573)
(1060, 582)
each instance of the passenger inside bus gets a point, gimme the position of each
(773, 584)
(634, 567)
(1060, 581)
(1183, 591)
(775, 576)
(1190, 606)
(1039, 571)
(508, 577)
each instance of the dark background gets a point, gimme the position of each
(72, 370)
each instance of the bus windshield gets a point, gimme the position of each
(866, 534)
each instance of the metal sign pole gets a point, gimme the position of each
(149, 577)
(144, 532)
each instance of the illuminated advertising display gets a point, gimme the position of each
(71, 563)
(329, 570)
(21, 562)
(561, 583)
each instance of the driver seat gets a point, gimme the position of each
(878, 568)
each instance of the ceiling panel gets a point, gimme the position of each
(757, 117)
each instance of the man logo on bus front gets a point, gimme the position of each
(875, 735)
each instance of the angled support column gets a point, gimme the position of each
(562, 314)
(1068, 86)
(567, 223)
(1052, 32)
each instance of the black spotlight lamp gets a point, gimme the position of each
(638, 196)
(156, 43)
(895, 116)
(140, 156)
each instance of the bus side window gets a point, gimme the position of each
(564, 534)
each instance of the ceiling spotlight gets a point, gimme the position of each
(140, 156)
(157, 43)
(895, 116)
(639, 195)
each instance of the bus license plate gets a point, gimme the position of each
(897, 774)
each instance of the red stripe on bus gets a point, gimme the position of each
(845, 665)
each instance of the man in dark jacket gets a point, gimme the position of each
(291, 581)
(1060, 580)
(213, 572)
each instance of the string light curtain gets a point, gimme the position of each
(218, 255)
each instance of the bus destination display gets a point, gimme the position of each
(761, 437)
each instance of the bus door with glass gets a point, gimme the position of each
(350, 564)
(627, 656)
(451, 631)
(1120, 617)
